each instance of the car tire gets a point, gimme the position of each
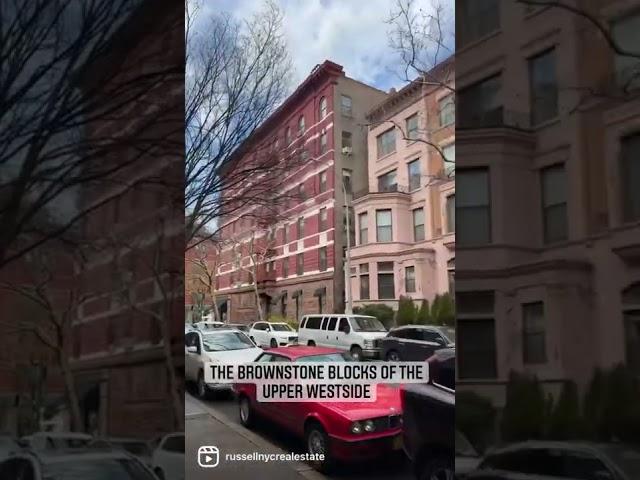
(273, 343)
(356, 352)
(317, 441)
(159, 473)
(393, 356)
(203, 391)
(438, 468)
(246, 412)
(311, 343)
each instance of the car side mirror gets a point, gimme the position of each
(192, 349)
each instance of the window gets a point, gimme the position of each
(451, 275)
(332, 323)
(352, 226)
(287, 135)
(418, 224)
(323, 143)
(449, 153)
(447, 110)
(413, 127)
(451, 213)
(322, 258)
(627, 67)
(346, 142)
(387, 182)
(476, 335)
(386, 142)
(477, 20)
(414, 175)
(322, 219)
(304, 154)
(364, 228)
(480, 105)
(543, 87)
(364, 286)
(475, 210)
(630, 177)
(364, 268)
(345, 105)
(346, 181)
(285, 236)
(554, 203)
(533, 333)
(410, 279)
(631, 317)
(301, 125)
(323, 108)
(384, 230)
(313, 323)
(323, 181)
(301, 193)
(285, 267)
(300, 264)
(386, 283)
(300, 228)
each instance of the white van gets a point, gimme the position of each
(359, 334)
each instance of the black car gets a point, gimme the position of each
(416, 342)
(429, 419)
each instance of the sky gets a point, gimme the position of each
(352, 33)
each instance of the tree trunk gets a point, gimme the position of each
(72, 395)
(257, 294)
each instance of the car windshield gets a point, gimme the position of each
(101, 469)
(627, 459)
(367, 324)
(223, 341)
(67, 442)
(281, 327)
(449, 333)
(329, 357)
(463, 447)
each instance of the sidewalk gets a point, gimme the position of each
(205, 427)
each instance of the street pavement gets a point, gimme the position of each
(216, 423)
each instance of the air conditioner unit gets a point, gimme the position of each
(347, 150)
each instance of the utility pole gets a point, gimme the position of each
(347, 267)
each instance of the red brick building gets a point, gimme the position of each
(300, 268)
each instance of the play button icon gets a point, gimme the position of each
(208, 457)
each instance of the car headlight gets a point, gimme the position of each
(369, 426)
(356, 427)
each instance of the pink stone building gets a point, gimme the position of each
(548, 231)
(405, 217)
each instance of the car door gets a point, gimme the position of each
(264, 408)
(428, 341)
(331, 331)
(345, 336)
(171, 457)
(191, 339)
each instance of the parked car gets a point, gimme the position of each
(243, 327)
(556, 460)
(429, 435)
(219, 345)
(358, 334)
(207, 325)
(416, 342)
(342, 431)
(8, 445)
(55, 440)
(167, 459)
(272, 334)
(134, 446)
(81, 464)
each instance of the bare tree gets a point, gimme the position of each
(204, 261)
(49, 103)
(237, 76)
(54, 288)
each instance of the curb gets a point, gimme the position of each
(302, 468)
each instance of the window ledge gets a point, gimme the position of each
(546, 124)
(383, 157)
(474, 43)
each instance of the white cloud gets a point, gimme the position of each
(352, 33)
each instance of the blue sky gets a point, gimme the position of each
(353, 33)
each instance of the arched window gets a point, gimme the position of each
(301, 125)
(287, 135)
(323, 108)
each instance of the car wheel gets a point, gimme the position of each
(317, 442)
(393, 356)
(273, 343)
(203, 390)
(159, 473)
(356, 352)
(438, 468)
(311, 343)
(246, 412)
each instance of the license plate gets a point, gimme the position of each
(397, 443)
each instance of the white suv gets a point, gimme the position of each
(360, 335)
(268, 334)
